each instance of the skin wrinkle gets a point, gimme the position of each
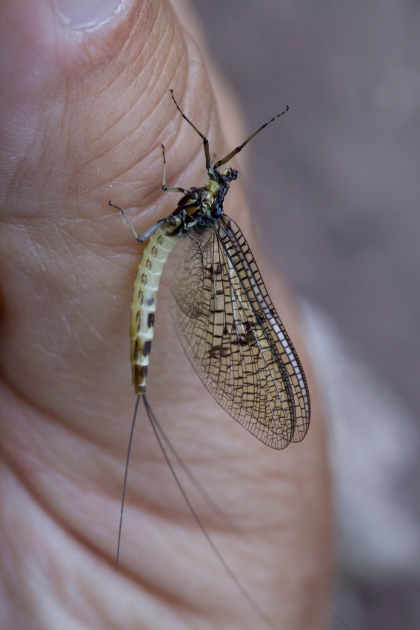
(19, 177)
(123, 138)
(120, 50)
(45, 414)
(21, 477)
(131, 107)
(168, 594)
(136, 76)
(29, 401)
(153, 509)
(138, 159)
(57, 518)
(50, 570)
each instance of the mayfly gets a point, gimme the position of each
(226, 322)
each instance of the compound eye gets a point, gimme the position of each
(230, 174)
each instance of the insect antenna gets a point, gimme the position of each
(236, 150)
(157, 429)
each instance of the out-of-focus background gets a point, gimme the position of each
(336, 185)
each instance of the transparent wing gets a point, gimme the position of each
(234, 338)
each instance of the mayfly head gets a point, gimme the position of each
(230, 174)
(222, 179)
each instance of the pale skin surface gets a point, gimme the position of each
(82, 122)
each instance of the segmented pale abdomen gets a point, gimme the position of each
(143, 306)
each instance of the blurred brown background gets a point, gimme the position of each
(336, 186)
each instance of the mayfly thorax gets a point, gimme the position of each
(226, 321)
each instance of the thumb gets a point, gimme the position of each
(85, 113)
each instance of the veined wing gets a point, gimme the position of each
(234, 338)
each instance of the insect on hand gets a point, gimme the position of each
(226, 322)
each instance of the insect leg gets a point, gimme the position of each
(128, 221)
(143, 237)
(166, 188)
(236, 150)
(202, 136)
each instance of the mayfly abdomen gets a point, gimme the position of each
(143, 306)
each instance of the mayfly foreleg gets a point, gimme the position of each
(166, 188)
(202, 136)
(239, 148)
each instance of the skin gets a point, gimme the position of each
(82, 122)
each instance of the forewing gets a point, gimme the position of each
(234, 338)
